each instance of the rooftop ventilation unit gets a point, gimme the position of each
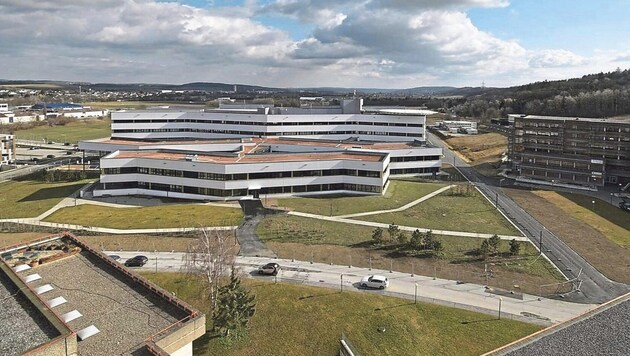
(21, 268)
(87, 332)
(32, 277)
(43, 289)
(57, 301)
(71, 315)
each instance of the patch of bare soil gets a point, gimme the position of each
(609, 258)
(480, 148)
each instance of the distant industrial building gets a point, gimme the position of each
(460, 126)
(60, 297)
(7, 149)
(576, 151)
(236, 152)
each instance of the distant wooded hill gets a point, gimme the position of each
(594, 95)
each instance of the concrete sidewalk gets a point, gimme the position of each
(404, 207)
(403, 285)
(406, 228)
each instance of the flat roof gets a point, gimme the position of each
(22, 327)
(604, 330)
(125, 308)
(252, 158)
(614, 120)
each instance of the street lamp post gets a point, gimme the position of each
(341, 284)
(500, 301)
(415, 295)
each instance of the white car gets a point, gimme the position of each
(375, 281)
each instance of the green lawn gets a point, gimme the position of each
(72, 132)
(457, 249)
(304, 320)
(472, 213)
(28, 199)
(607, 211)
(398, 194)
(154, 217)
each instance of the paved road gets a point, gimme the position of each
(438, 291)
(594, 288)
(249, 241)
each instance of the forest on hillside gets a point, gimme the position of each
(595, 95)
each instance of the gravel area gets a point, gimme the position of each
(124, 312)
(21, 325)
(604, 333)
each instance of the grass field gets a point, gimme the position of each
(28, 199)
(398, 194)
(303, 320)
(154, 217)
(607, 211)
(72, 132)
(131, 104)
(612, 231)
(333, 242)
(113, 242)
(609, 257)
(471, 213)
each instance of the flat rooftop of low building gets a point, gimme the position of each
(22, 327)
(615, 120)
(602, 331)
(126, 309)
(251, 158)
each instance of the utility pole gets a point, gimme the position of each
(540, 242)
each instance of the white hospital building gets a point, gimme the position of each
(248, 150)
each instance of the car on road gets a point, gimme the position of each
(137, 261)
(114, 257)
(270, 269)
(375, 281)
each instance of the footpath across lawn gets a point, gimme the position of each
(448, 211)
(398, 194)
(303, 320)
(28, 199)
(154, 217)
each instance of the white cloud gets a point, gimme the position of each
(555, 58)
(384, 43)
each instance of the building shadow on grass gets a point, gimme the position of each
(53, 192)
(311, 296)
(466, 322)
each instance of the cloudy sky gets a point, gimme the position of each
(300, 43)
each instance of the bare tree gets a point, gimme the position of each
(211, 255)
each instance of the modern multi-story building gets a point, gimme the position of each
(230, 154)
(341, 122)
(578, 151)
(7, 149)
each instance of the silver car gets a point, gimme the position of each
(375, 281)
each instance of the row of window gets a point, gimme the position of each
(243, 192)
(429, 170)
(414, 158)
(255, 123)
(242, 176)
(256, 134)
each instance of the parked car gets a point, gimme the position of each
(270, 268)
(137, 261)
(114, 257)
(50, 156)
(375, 281)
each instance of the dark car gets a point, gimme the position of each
(137, 261)
(271, 269)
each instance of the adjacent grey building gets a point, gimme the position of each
(577, 151)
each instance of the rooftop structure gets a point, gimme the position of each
(75, 300)
(575, 151)
(602, 331)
